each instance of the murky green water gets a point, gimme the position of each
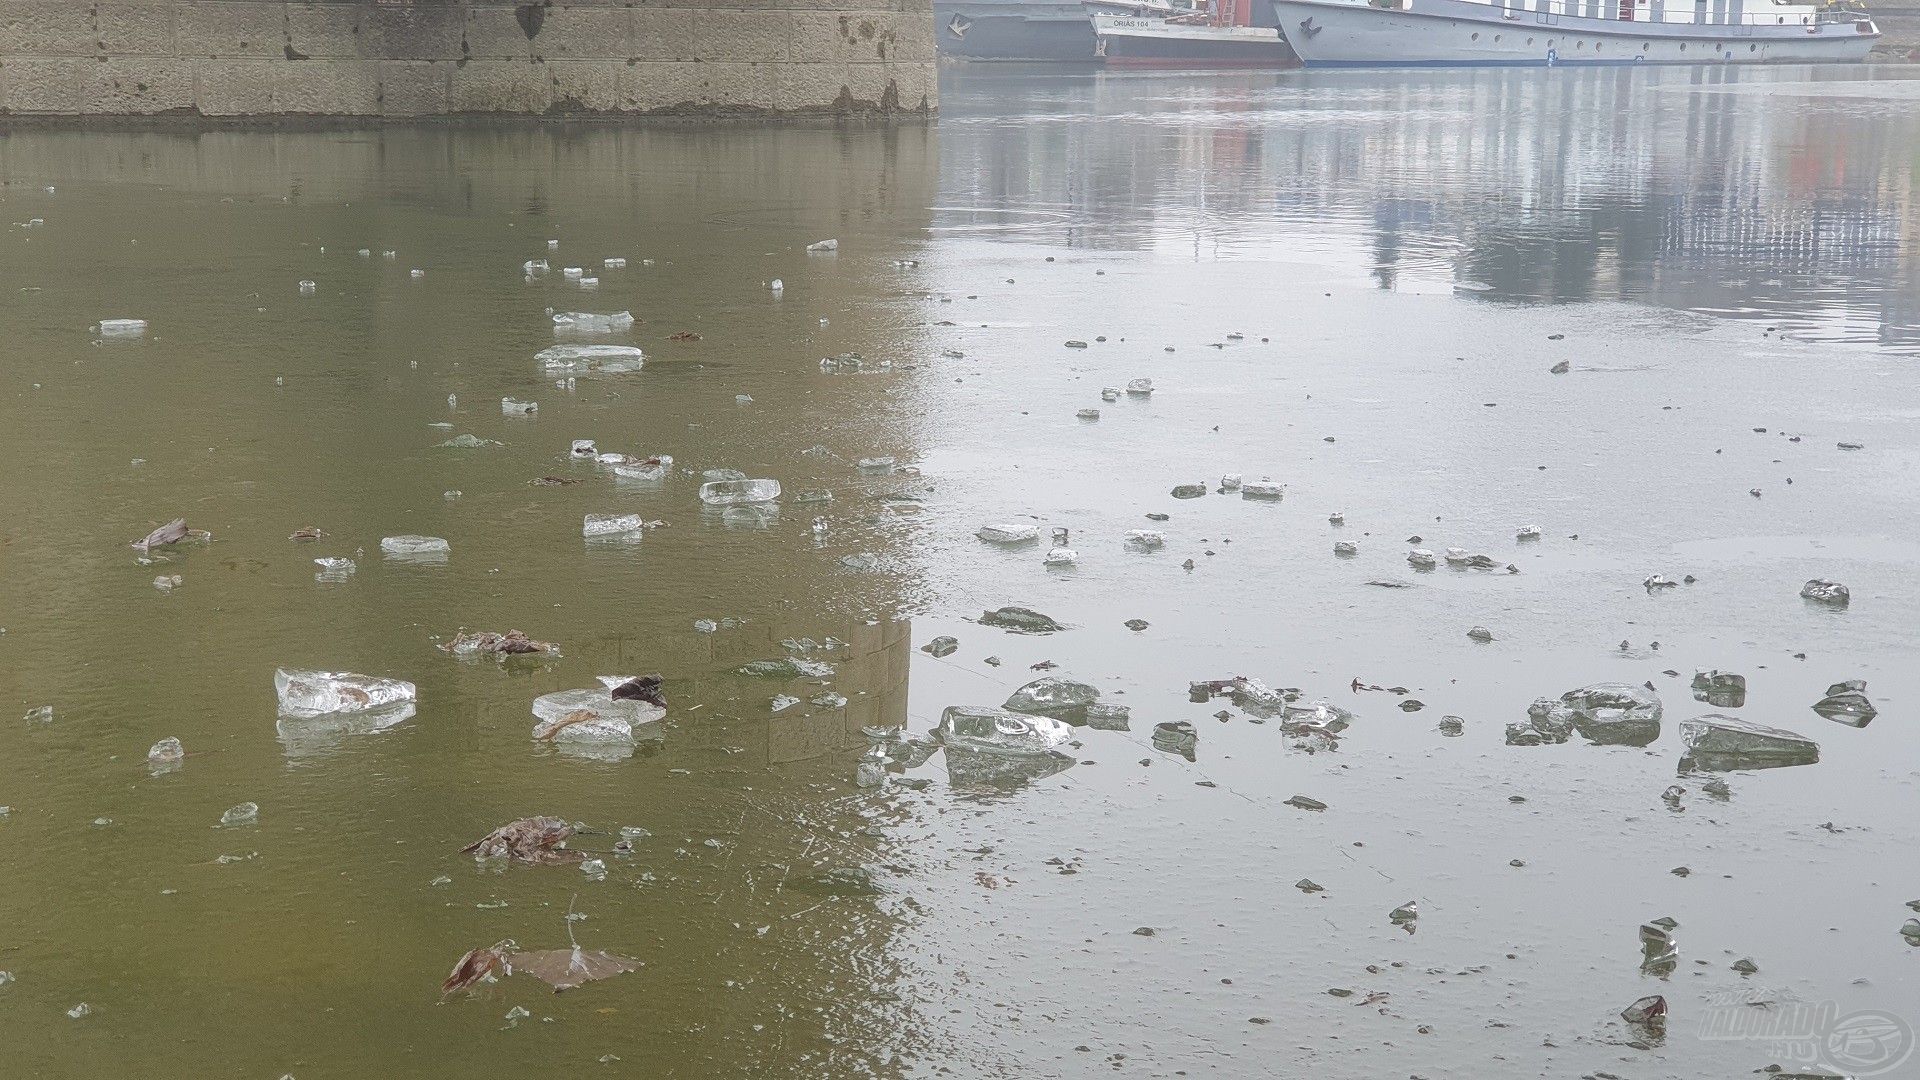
(1722, 252)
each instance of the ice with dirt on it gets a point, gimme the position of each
(611, 713)
(611, 525)
(591, 359)
(987, 730)
(648, 469)
(739, 492)
(410, 548)
(511, 407)
(585, 322)
(319, 693)
(583, 448)
(1715, 734)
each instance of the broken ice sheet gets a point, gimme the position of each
(975, 770)
(1608, 714)
(418, 550)
(562, 969)
(739, 492)
(1719, 743)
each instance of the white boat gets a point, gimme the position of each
(1187, 42)
(1472, 33)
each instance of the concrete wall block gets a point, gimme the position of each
(327, 88)
(139, 86)
(860, 37)
(45, 29)
(328, 31)
(230, 28)
(481, 87)
(412, 32)
(413, 87)
(494, 33)
(661, 34)
(44, 86)
(582, 33)
(731, 36)
(585, 86)
(230, 87)
(136, 29)
(684, 87)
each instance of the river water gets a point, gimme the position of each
(1724, 259)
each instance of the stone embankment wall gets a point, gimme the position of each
(279, 60)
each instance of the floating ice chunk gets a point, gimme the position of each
(822, 246)
(467, 442)
(583, 448)
(1087, 414)
(1176, 737)
(167, 751)
(1262, 488)
(582, 322)
(1140, 387)
(334, 569)
(589, 282)
(611, 525)
(1346, 549)
(416, 274)
(571, 273)
(739, 492)
(308, 288)
(776, 286)
(244, 814)
(553, 245)
(317, 693)
(415, 548)
(614, 264)
(1527, 532)
(1422, 559)
(121, 328)
(883, 464)
(510, 407)
(1610, 714)
(1231, 481)
(1109, 393)
(1061, 556)
(1847, 703)
(1721, 689)
(1062, 699)
(1144, 540)
(1826, 592)
(1008, 533)
(969, 727)
(609, 717)
(41, 715)
(536, 268)
(1720, 741)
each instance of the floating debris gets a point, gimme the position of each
(537, 840)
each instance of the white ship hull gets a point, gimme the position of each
(1465, 33)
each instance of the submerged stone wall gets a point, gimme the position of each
(416, 59)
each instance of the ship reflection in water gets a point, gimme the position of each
(1778, 195)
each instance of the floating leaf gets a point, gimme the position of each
(531, 840)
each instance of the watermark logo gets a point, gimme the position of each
(1813, 1035)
